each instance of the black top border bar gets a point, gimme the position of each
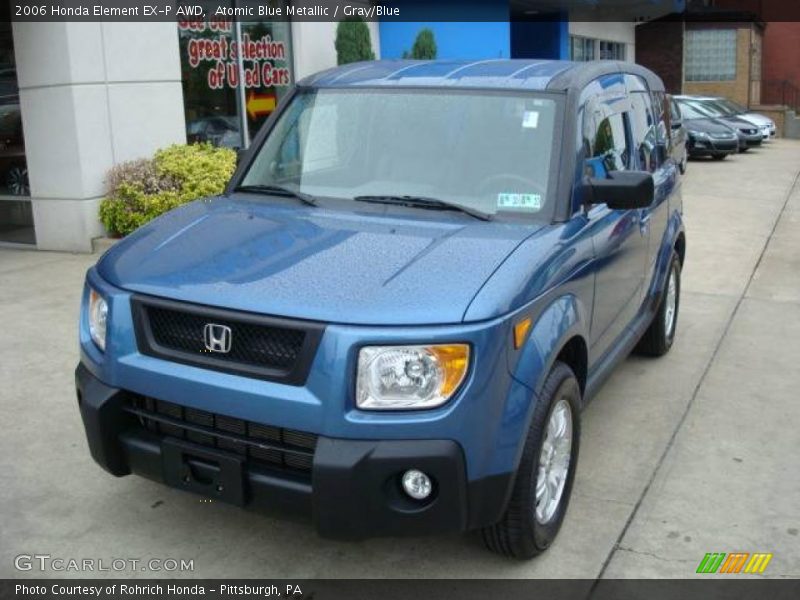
(401, 10)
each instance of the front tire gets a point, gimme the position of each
(658, 338)
(543, 482)
(719, 156)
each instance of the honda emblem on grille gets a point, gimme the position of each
(217, 337)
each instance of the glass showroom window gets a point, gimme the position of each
(710, 55)
(211, 77)
(612, 50)
(581, 48)
(16, 216)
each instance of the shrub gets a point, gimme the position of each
(140, 190)
(141, 173)
(424, 47)
(353, 42)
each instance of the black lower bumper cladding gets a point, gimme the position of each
(709, 147)
(353, 490)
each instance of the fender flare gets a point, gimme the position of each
(674, 232)
(564, 318)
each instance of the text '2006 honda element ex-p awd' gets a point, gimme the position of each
(392, 318)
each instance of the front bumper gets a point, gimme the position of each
(711, 146)
(352, 490)
(751, 140)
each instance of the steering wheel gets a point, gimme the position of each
(519, 185)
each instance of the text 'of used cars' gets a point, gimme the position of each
(416, 279)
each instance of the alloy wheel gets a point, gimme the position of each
(554, 461)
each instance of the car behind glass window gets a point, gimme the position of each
(644, 131)
(607, 145)
(487, 151)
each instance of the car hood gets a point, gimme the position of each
(739, 123)
(756, 119)
(385, 265)
(707, 126)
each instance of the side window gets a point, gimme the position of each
(644, 134)
(662, 118)
(606, 145)
(674, 111)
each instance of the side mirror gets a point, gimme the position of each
(622, 190)
(677, 124)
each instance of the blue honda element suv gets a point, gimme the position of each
(392, 318)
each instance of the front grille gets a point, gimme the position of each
(251, 344)
(258, 444)
(259, 346)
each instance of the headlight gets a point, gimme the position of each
(409, 377)
(698, 134)
(98, 315)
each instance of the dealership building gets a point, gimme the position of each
(80, 97)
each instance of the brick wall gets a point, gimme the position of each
(659, 47)
(737, 89)
(781, 57)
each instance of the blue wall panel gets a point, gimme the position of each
(540, 39)
(453, 40)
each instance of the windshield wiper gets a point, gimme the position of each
(278, 190)
(425, 202)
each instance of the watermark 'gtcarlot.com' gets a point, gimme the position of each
(47, 562)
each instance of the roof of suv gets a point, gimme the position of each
(557, 75)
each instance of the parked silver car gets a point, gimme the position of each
(733, 109)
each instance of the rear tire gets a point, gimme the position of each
(658, 338)
(527, 527)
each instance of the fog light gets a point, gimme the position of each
(416, 484)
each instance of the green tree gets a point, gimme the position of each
(353, 42)
(424, 46)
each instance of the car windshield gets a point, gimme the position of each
(721, 107)
(734, 107)
(693, 110)
(488, 152)
(708, 108)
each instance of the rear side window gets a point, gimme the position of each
(675, 112)
(643, 131)
(662, 117)
(606, 145)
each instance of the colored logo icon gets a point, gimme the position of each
(734, 562)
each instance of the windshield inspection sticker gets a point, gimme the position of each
(530, 119)
(524, 201)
